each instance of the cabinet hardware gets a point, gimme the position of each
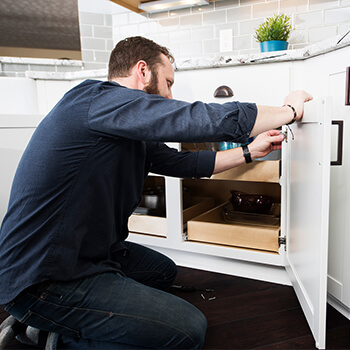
(347, 88)
(282, 240)
(285, 133)
(223, 91)
(339, 160)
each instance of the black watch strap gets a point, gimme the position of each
(246, 153)
(294, 114)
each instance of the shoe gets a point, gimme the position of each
(9, 328)
(30, 336)
(51, 342)
(36, 337)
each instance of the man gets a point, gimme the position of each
(65, 266)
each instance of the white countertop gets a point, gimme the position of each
(309, 51)
(41, 61)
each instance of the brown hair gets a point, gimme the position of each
(131, 50)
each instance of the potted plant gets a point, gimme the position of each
(273, 34)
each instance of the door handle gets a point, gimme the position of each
(340, 124)
(347, 88)
(223, 91)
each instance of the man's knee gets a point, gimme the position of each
(196, 330)
(171, 273)
(200, 331)
(166, 277)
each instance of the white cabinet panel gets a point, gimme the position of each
(18, 96)
(339, 242)
(15, 133)
(308, 208)
(253, 83)
(12, 144)
(50, 92)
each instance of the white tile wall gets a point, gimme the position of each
(308, 19)
(315, 34)
(290, 7)
(195, 32)
(265, 9)
(337, 15)
(96, 31)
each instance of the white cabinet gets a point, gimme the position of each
(18, 96)
(339, 239)
(307, 171)
(248, 84)
(327, 75)
(15, 133)
(263, 84)
(305, 185)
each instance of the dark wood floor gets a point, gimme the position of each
(249, 314)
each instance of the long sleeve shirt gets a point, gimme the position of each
(82, 173)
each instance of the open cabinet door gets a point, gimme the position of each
(307, 167)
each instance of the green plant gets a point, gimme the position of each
(277, 27)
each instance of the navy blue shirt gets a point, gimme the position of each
(82, 174)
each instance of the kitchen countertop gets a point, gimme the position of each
(309, 51)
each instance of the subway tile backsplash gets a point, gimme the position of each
(195, 32)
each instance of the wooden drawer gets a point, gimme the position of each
(198, 206)
(258, 171)
(212, 227)
(152, 225)
(157, 226)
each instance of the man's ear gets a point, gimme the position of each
(143, 72)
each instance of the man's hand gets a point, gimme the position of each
(262, 145)
(265, 143)
(273, 117)
(297, 99)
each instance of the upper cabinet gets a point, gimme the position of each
(132, 5)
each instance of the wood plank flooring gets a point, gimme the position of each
(250, 314)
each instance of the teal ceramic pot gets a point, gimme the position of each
(273, 45)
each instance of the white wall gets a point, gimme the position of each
(195, 32)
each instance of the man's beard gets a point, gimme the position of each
(152, 87)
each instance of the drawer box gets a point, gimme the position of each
(258, 171)
(157, 226)
(152, 225)
(212, 227)
(198, 206)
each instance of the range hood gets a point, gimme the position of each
(155, 6)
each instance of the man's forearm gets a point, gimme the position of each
(271, 118)
(228, 159)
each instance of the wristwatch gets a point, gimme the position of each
(246, 153)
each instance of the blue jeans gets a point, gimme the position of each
(115, 311)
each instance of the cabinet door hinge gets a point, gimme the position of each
(184, 233)
(282, 240)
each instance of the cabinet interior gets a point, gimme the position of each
(240, 230)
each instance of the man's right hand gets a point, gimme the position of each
(297, 99)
